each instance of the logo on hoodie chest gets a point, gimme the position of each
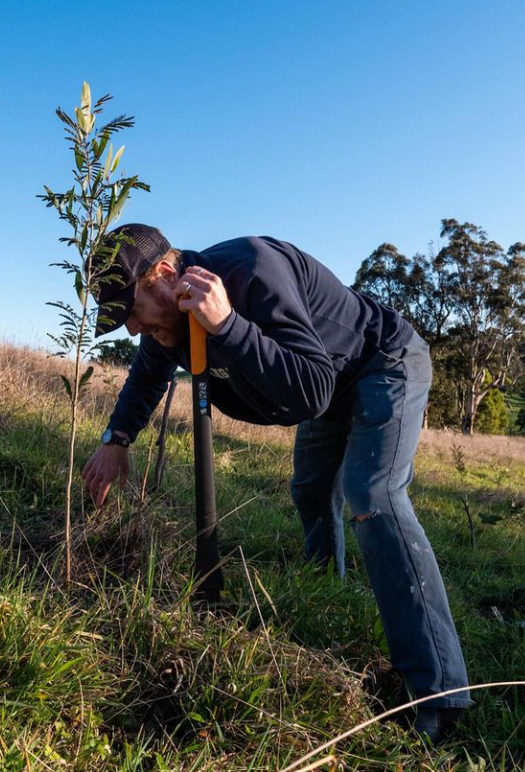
(220, 372)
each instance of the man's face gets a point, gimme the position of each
(155, 311)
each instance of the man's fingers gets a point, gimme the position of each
(197, 270)
(189, 281)
(86, 470)
(94, 485)
(192, 280)
(102, 493)
(89, 475)
(102, 469)
(190, 304)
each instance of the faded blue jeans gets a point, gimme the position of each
(366, 457)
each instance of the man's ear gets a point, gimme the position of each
(167, 272)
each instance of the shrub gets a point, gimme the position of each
(492, 416)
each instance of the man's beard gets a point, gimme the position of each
(167, 337)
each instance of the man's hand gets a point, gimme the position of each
(207, 298)
(105, 465)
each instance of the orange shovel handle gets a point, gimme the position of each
(198, 337)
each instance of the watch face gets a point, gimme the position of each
(106, 437)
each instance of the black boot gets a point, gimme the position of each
(437, 722)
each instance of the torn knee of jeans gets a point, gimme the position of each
(362, 518)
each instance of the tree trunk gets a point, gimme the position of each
(473, 398)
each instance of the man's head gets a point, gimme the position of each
(136, 288)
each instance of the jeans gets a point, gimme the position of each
(366, 458)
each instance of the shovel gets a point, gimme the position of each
(207, 571)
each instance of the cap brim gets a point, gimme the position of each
(114, 313)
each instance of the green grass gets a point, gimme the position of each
(122, 674)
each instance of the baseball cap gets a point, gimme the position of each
(137, 248)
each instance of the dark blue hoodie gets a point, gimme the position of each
(291, 349)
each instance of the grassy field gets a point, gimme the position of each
(121, 674)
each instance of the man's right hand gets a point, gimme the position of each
(108, 463)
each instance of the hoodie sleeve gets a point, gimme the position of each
(148, 379)
(278, 360)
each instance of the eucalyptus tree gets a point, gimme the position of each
(383, 276)
(489, 307)
(509, 300)
(468, 303)
(88, 207)
(429, 290)
(420, 289)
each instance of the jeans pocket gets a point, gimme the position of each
(393, 357)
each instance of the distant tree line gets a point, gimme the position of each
(120, 353)
(468, 302)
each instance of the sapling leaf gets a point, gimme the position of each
(64, 117)
(96, 182)
(85, 377)
(51, 197)
(118, 156)
(103, 141)
(100, 102)
(67, 386)
(79, 159)
(79, 286)
(121, 200)
(109, 156)
(86, 97)
(81, 119)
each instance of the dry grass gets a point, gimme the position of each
(484, 448)
(30, 379)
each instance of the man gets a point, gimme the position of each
(289, 344)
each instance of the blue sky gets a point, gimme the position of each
(334, 124)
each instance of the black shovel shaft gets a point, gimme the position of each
(207, 556)
(207, 549)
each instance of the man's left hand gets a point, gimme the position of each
(206, 298)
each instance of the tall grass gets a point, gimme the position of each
(124, 675)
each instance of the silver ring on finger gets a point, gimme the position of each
(187, 287)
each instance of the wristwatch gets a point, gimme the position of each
(110, 438)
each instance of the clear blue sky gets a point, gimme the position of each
(334, 124)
